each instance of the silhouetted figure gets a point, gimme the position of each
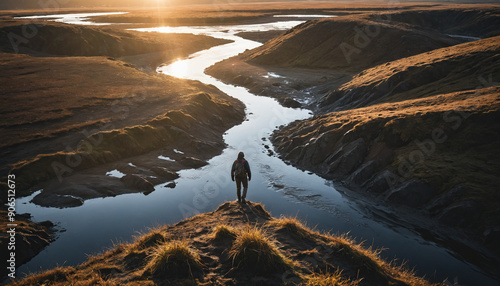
(241, 171)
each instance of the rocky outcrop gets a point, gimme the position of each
(137, 182)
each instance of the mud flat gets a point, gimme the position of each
(234, 245)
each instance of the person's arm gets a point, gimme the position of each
(232, 170)
(247, 168)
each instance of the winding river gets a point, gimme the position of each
(283, 189)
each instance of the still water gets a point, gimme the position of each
(283, 189)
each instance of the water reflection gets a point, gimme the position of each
(76, 19)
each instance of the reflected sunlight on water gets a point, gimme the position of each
(179, 68)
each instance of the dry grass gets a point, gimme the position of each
(56, 276)
(365, 257)
(153, 259)
(174, 257)
(149, 239)
(368, 260)
(224, 231)
(328, 279)
(293, 225)
(254, 250)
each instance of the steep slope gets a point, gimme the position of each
(461, 67)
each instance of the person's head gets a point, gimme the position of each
(241, 155)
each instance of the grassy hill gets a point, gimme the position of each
(457, 68)
(349, 43)
(237, 244)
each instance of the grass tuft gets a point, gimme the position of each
(53, 276)
(328, 279)
(174, 258)
(253, 250)
(224, 231)
(293, 225)
(153, 237)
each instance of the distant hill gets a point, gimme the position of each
(356, 42)
(457, 68)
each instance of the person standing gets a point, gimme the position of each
(240, 171)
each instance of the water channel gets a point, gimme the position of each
(283, 189)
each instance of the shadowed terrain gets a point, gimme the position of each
(237, 244)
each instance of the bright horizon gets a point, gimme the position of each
(55, 4)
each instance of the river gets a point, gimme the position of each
(283, 189)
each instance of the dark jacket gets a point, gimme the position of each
(247, 169)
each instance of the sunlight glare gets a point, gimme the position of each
(179, 68)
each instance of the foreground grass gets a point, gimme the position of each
(174, 258)
(254, 250)
(236, 245)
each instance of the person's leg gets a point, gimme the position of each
(245, 188)
(238, 188)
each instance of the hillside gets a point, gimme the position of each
(457, 68)
(316, 58)
(350, 43)
(144, 50)
(357, 42)
(95, 111)
(436, 155)
(237, 244)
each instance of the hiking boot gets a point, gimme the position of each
(244, 201)
(239, 200)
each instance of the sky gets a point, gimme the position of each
(41, 4)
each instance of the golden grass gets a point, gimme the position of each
(328, 279)
(56, 276)
(174, 257)
(365, 257)
(96, 280)
(293, 225)
(254, 250)
(369, 259)
(148, 239)
(224, 231)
